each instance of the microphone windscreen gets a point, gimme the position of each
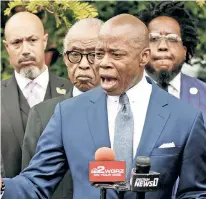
(142, 161)
(104, 154)
(142, 164)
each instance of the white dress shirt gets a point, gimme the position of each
(174, 86)
(33, 90)
(76, 92)
(139, 97)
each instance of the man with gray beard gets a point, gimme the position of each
(30, 84)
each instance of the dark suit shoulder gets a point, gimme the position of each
(92, 95)
(54, 77)
(50, 103)
(194, 81)
(60, 78)
(6, 81)
(183, 109)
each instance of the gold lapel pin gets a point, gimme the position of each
(61, 91)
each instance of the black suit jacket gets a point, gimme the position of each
(38, 118)
(12, 131)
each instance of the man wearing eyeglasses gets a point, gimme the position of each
(173, 39)
(79, 58)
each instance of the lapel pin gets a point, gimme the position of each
(61, 91)
(193, 91)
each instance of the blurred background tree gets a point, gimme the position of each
(106, 10)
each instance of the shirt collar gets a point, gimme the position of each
(133, 92)
(76, 92)
(137, 89)
(175, 83)
(42, 79)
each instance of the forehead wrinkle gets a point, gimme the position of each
(109, 47)
(120, 43)
(82, 44)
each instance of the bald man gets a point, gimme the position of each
(130, 114)
(30, 84)
(79, 54)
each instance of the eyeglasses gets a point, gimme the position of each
(157, 37)
(76, 57)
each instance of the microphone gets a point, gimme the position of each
(105, 169)
(142, 179)
(106, 173)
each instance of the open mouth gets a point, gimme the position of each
(108, 82)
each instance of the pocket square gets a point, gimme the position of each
(167, 145)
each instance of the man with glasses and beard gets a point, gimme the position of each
(31, 83)
(79, 56)
(173, 38)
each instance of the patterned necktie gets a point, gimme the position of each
(123, 135)
(33, 96)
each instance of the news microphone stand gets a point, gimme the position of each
(121, 194)
(103, 193)
(120, 188)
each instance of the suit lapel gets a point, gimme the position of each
(98, 123)
(56, 85)
(185, 93)
(24, 106)
(97, 120)
(69, 94)
(156, 118)
(10, 100)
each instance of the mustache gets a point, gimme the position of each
(28, 58)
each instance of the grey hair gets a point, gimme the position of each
(87, 22)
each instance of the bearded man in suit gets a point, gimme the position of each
(173, 39)
(30, 84)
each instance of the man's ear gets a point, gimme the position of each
(6, 45)
(145, 56)
(185, 51)
(45, 40)
(65, 58)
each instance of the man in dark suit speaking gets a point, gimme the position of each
(79, 57)
(149, 122)
(30, 84)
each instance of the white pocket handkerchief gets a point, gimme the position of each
(167, 145)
